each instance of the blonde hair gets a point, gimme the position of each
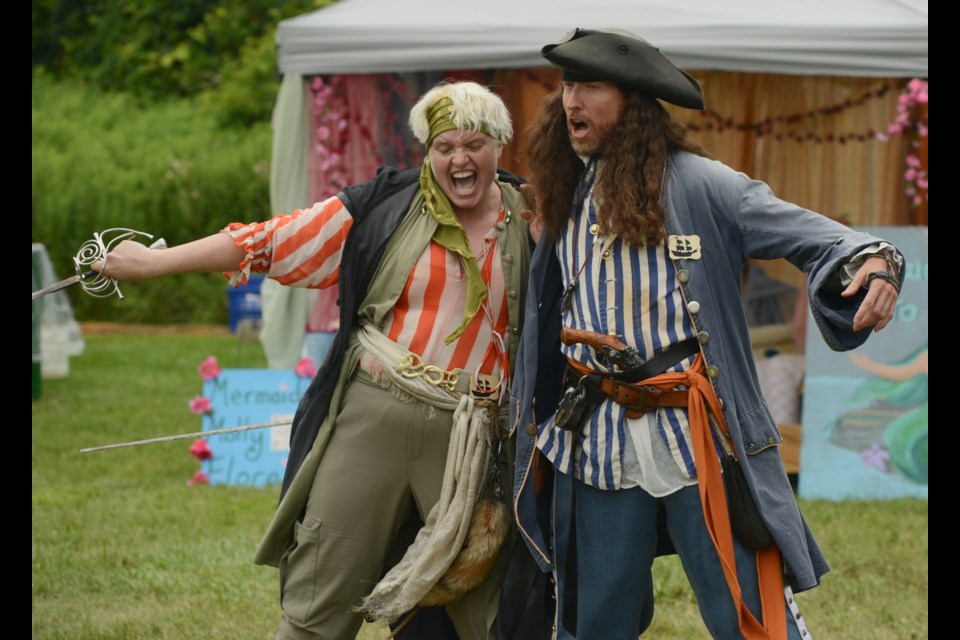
(475, 108)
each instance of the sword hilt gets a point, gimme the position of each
(96, 249)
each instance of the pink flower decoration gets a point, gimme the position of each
(209, 369)
(909, 121)
(201, 450)
(201, 405)
(199, 478)
(305, 368)
(918, 89)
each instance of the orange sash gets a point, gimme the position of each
(769, 565)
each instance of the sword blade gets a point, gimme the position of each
(182, 436)
(63, 284)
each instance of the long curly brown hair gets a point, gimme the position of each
(628, 185)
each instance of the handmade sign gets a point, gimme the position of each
(235, 397)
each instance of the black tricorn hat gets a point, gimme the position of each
(625, 59)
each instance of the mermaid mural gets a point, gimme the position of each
(891, 431)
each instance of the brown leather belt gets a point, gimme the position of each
(637, 399)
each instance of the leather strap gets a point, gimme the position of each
(883, 275)
(638, 400)
(654, 366)
(662, 361)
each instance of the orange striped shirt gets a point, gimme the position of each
(303, 249)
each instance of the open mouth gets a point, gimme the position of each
(464, 181)
(578, 128)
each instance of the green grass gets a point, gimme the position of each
(124, 549)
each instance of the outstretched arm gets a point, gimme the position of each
(131, 261)
(878, 306)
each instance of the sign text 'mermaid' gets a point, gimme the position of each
(241, 397)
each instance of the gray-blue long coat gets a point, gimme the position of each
(736, 219)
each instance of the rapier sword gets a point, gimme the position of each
(93, 282)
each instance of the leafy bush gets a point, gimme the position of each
(156, 49)
(101, 161)
(152, 115)
(248, 87)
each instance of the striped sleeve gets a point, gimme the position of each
(300, 249)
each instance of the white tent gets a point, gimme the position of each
(809, 37)
(868, 38)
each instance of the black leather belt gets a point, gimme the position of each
(660, 362)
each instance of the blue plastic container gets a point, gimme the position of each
(243, 303)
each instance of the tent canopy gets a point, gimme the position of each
(815, 37)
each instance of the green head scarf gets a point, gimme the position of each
(450, 234)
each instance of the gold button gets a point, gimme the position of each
(693, 307)
(512, 294)
(594, 228)
(703, 337)
(683, 276)
(712, 371)
(531, 429)
(606, 254)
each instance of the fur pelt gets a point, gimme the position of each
(489, 524)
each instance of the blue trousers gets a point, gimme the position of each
(616, 540)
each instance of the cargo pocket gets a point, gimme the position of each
(298, 571)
